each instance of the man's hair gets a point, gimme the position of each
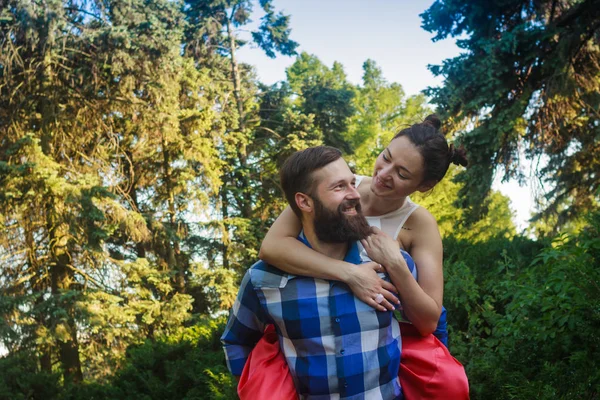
(296, 174)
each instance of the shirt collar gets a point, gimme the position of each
(352, 255)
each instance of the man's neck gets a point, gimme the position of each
(333, 250)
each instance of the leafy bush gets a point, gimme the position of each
(189, 366)
(524, 319)
(21, 380)
(526, 322)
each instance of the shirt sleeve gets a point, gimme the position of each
(245, 327)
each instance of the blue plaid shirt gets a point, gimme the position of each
(335, 345)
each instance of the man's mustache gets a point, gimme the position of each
(349, 204)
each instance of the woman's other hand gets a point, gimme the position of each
(367, 285)
(383, 249)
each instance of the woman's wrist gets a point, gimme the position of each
(344, 272)
(397, 264)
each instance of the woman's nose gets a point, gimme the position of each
(385, 172)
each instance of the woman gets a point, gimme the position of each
(416, 159)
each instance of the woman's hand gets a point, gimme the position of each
(367, 285)
(383, 249)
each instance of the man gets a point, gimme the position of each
(335, 345)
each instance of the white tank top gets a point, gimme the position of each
(391, 223)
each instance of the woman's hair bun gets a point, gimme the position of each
(434, 121)
(458, 155)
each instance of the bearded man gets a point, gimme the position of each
(335, 345)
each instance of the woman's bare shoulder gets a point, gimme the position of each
(421, 218)
(420, 228)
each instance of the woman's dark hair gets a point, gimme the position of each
(434, 149)
(296, 174)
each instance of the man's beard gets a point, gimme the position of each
(337, 227)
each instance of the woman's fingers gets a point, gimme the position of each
(371, 289)
(389, 306)
(389, 287)
(375, 266)
(386, 299)
(371, 302)
(390, 298)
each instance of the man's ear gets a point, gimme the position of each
(427, 186)
(304, 202)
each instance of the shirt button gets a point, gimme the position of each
(337, 320)
(345, 384)
(342, 351)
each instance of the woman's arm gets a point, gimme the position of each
(422, 300)
(281, 249)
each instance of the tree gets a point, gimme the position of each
(382, 109)
(213, 28)
(440, 201)
(325, 94)
(526, 83)
(74, 79)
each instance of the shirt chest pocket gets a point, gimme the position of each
(270, 288)
(295, 301)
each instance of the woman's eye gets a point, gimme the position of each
(385, 158)
(402, 176)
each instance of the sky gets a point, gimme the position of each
(387, 31)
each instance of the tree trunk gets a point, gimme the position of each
(139, 246)
(45, 354)
(235, 77)
(173, 245)
(246, 206)
(225, 213)
(62, 277)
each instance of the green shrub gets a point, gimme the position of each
(21, 380)
(525, 320)
(189, 366)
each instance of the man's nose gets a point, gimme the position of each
(353, 193)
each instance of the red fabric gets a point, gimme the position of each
(427, 370)
(266, 375)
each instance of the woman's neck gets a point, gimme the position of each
(373, 205)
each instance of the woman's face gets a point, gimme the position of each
(398, 170)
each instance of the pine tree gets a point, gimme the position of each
(213, 31)
(526, 83)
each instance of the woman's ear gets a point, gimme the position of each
(304, 202)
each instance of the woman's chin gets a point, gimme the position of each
(378, 191)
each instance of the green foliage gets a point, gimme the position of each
(326, 95)
(187, 365)
(20, 379)
(382, 109)
(138, 175)
(190, 365)
(526, 83)
(440, 201)
(524, 315)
